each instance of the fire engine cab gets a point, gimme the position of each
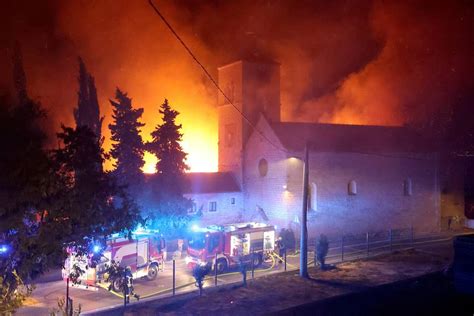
(230, 244)
(144, 254)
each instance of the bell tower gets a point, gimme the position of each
(254, 88)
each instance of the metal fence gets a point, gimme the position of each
(356, 246)
(177, 278)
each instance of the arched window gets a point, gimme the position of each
(407, 187)
(263, 167)
(313, 198)
(352, 188)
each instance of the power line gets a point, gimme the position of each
(214, 82)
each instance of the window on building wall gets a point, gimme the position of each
(193, 208)
(263, 167)
(352, 188)
(232, 201)
(229, 91)
(313, 197)
(212, 206)
(229, 134)
(407, 187)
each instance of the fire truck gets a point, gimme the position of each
(143, 254)
(231, 243)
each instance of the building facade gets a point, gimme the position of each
(362, 178)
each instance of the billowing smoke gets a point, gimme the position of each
(358, 62)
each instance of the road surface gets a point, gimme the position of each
(46, 294)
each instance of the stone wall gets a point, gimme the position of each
(382, 201)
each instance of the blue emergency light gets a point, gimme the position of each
(4, 249)
(96, 249)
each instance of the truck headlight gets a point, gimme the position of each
(188, 260)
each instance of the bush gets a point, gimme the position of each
(243, 270)
(61, 309)
(288, 237)
(199, 273)
(13, 292)
(322, 248)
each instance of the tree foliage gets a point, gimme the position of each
(51, 200)
(168, 186)
(25, 186)
(90, 204)
(167, 148)
(128, 148)
(13, 292)
(19, 76)
(87, 112)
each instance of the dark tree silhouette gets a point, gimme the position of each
(19, 76)
(50, 200)
(128, 147)
(171, 165)
(25, 185)
(199, 274)
(451, 129)
(87, 112)
(166, 145)
(322, 248)
(95, 205)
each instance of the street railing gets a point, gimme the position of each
(352, 247)
(348, 247)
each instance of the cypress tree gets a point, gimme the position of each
(171, 165)
(128, 148)
(19, 76)
(87, 112)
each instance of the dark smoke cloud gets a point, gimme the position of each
(365, 62)
(362, 62)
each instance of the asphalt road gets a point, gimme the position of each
(47, 292)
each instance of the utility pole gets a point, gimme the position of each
(304, 229)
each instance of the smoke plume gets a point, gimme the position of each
(355, 62)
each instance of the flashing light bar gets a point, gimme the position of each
(3, 249)
(96, 248)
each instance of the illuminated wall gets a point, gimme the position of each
(381, 201)
(228, 205)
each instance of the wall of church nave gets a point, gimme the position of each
(349, 192)
(360, 192)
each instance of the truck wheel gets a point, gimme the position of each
(152, 272)
(221, 266)
(117, 285)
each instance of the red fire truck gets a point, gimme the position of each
(231, 243)
(144, 254)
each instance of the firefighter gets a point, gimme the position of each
(281, 248)
(128, 289)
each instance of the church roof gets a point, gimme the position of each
(211, 182)
(349, 138)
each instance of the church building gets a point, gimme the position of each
(361, 178)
